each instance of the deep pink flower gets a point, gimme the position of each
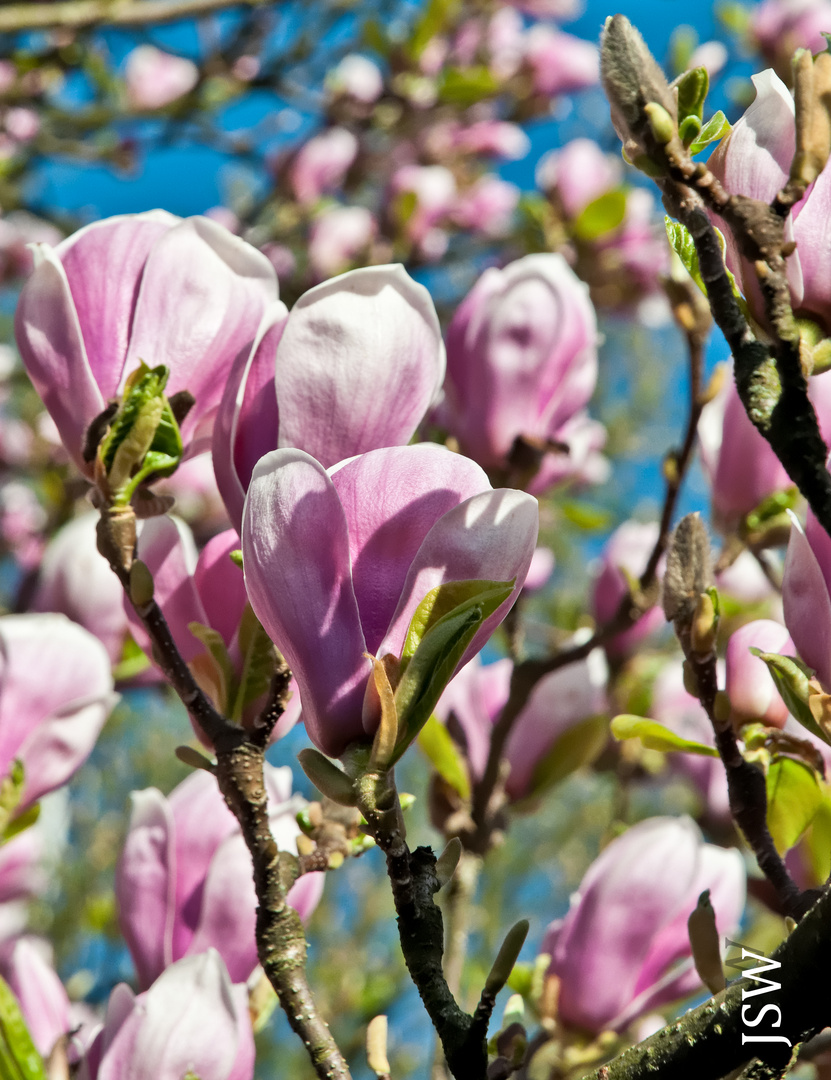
(183, 881)
(623, 947)
(783, 26)
(336, 563)
(155, 78)
(561, 699)
(805, 595)
(50, 724)
(358, 361)
(191, 1020)
(521, 361)
(187, 294)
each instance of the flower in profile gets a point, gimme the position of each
(49, 725)
(188, 295)
(805, 595)
(191, 1021)
(155, 78)
(183, 881)
(625, 554)
(522, 365)
(354, 367)
(336, 563)
(322, 163)
(623, 948)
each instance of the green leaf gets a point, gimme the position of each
(576, 747)
(601, 216)
(584, 515)
(791, 677)
(716, 128)
(692, 89)
(443, 754)
(688, 129)
(19, 1060)
(437, 15)
(466, 86)
(818, 840)
(794, 797)
(657, 736)
(21, 823)
(133, 661)
(684, 247)
(222, 670)
(258, 663)
(449, 597)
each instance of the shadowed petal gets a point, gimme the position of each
(806, 605)
(298, 577)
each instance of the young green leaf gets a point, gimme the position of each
(657, 736)
(794, 797)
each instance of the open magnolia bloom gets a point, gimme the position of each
(623, 948)
(187, 295)
(354, 367)
(337, 561)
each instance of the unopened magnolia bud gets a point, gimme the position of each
(632, 81)
(506, 958)
(704, 942)
(327, 777)
(812, 99)
(689, 571)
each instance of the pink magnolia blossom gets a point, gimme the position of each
(22, 522)
(625, 552)
(155, 78)
(191, 1020)
(505, 40)
(561, 699)
(623, 947)
(339, 235)
(495, 137)
(76, 579)
(207, 590)
(358, 361)
(336, 563)
(434, 188)
(321, 164)
(742, 468)
(522, 361)
(188, 294)
(357, 77)
(540, 570)
(51, 724)
(780, 27)
(487, 206)
(749, 685)
(711, 55)
(560, 63)
(684, 714)
(183, 881)
(21, 123)
(755, 160)
(805, 595)
(26, 965)
(579, 173)
(549, 9)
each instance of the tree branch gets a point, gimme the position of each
(76, 14)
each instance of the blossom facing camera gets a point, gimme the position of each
(522, 363)
(336, 563)
(623, 948)
(188, 295)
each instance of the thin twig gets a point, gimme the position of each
(80, 13)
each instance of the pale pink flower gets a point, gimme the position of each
(155, 78)
(321, 164)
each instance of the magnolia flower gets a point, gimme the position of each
(780, 27)
(337, 236)
(50, 724)
(26, 965)
(623, 947)
(155, 78)
(433, 189)
(191, 1021)
(755, 160)
(805, 595)
(358, 361)
(76, 580)
(337, 561)
(560, 63)
(204, 602)
(183, 881)
(559, 701)
(625, 553)
(487, 206)
(522, 362)
(187, 294)
(749, 685)
(321, 164)
(579, 173)
(357, 77)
